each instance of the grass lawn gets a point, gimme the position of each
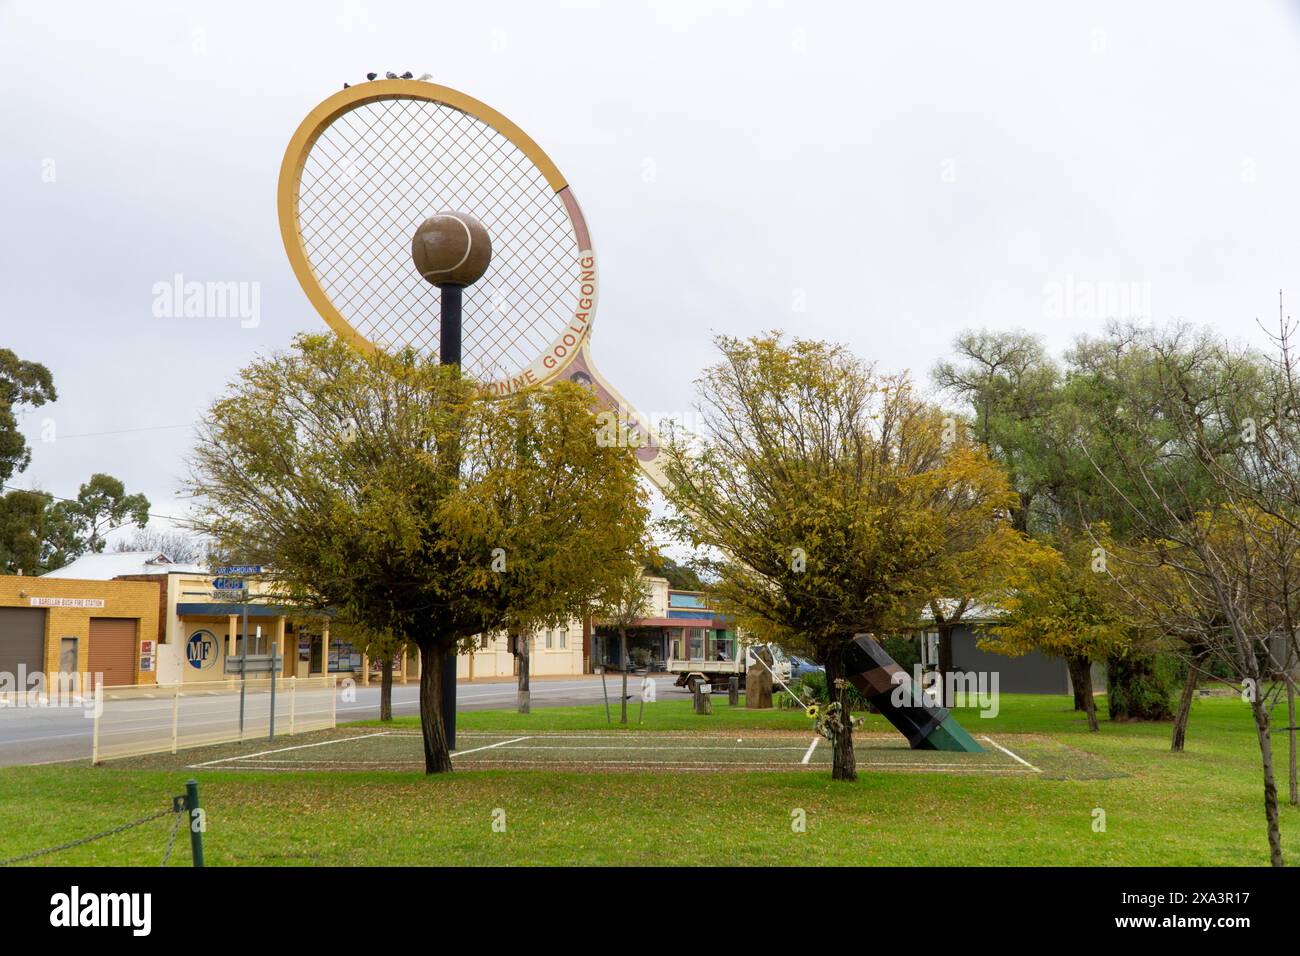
(1202, 807)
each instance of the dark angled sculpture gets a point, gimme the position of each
(926, 725)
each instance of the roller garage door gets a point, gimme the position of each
(22, 639)
(112, 649)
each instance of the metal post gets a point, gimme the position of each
(604, 689)
(334, 701)
(449, 344)
(195, 815)
(273, 681)
(176, 714)
(243, 670)
(293, 701)
(449, 336)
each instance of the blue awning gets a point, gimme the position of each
(200, 608)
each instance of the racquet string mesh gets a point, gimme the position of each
(378, 171)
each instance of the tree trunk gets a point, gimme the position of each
(437, 758)
(1081, 678)
(1290, 730)
(1020, 518)
(604, 688)
(1080, 669)
(1270, 784)
(1185, 704)
(843, 763)
(519, 643)
(622, 653)
(386, 688)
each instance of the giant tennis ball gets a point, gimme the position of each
(451, 248)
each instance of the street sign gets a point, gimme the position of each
(229, 594)
(255, 664)
(240, 569)
(228, 584)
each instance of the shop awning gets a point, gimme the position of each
(673, 622)
(202, 608)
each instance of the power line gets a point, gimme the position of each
(125, 431)
(117, 431)
(37, 491)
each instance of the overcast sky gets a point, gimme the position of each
(881, 174)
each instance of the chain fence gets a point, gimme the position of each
(182, 808)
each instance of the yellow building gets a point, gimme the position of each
(72, 626)
(553, 652)
(198, 631)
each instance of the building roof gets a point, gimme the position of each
(115, 564)
(974, 613)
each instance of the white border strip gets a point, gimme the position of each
(461, 753)
(264, 753)
(1011, 755)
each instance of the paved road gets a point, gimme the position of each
(44, 735)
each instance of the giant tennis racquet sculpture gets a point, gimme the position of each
(370, 164)
(415, 216)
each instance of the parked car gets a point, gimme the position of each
(800, 666)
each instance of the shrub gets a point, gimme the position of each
(1140, 687)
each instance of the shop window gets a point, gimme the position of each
(549, 640)
(564, 639)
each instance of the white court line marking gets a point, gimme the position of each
(263, 753)
(1011, 755)
(612, 735)
(811, 747)
(762, 750)
(461, 753)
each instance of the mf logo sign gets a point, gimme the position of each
(202, 650)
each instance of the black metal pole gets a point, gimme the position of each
(449, 325)
(449, 339)
(243, 669)
(274, 677)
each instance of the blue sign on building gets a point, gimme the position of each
(202, 650)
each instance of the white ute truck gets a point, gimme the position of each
(717, 672)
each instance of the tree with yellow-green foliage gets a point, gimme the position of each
(1062, 603)
(829, 500)
(383, 488)
(564, 514)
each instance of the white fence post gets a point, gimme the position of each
(293, 701)
(334, 702)
(94, 744)
(176, 713)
